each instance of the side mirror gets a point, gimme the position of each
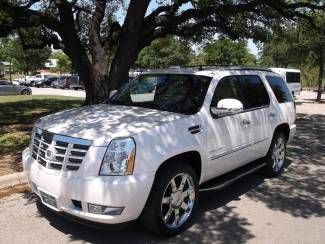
(112, 93)
(227, 106)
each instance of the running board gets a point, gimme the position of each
(229, 178)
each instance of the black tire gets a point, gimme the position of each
(272, 168)
(152, 214)
(25, 92)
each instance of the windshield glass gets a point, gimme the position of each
(179, 93)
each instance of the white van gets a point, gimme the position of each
(292, 77)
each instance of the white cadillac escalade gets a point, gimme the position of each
(157, 142)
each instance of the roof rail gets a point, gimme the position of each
(226, 67)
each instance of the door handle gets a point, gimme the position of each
(245, 122)
(271, 114)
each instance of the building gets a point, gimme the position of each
(5, 68)
(51, 63)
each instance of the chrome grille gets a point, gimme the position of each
(58, 152)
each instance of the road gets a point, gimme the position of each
(287, 209)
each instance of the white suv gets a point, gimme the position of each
(159, 140)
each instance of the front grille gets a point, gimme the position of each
(58, 152)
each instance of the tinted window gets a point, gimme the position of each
(227, 87)
(280, 90)
(293, 77)
(179, 93)
(254, 92)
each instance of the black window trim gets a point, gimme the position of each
(244, 110)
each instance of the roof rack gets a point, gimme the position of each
(195, 68)
(225, 67)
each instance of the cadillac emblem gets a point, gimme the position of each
(49, 153)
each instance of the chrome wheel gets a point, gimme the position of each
(278, 154)
(178, 201)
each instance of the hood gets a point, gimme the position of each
(103, 122)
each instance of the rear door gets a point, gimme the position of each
(258, 113)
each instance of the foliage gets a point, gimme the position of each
(23, 60)
(64, 63)
(84, 27)
(165, 52)
(226, 52)
(300, 46)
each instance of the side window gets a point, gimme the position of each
(228, 87)
(280, 90)
(293, 77)
(254, 92)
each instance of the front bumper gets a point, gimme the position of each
(130, 192)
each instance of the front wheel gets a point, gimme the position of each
(276, 156)
(172, 201)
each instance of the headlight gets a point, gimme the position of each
(119, 157)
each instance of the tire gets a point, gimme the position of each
(25, 92)
(276, 156)
(163, 201)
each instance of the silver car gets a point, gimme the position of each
(8, 88)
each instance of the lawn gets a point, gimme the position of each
(17, 116)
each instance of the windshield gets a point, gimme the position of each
(179, 93)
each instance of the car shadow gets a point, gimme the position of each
(299, 191)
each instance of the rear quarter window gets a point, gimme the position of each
(280, 90)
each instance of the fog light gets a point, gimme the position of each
(104, 210)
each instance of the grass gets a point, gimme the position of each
(17, 116)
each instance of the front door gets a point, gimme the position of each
(228, 136)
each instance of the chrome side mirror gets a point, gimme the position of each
(226, 107)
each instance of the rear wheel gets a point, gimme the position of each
(172, 201)
(276, 156)
(25, 92)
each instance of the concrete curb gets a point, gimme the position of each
(12, 180)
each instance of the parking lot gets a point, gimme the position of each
(287, 209)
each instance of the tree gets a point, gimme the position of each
(226, 52)
(165, 52)
(81, 27)
(27, 61)
(64, 63)
(298, 45)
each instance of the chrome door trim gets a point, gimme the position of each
(237, 149)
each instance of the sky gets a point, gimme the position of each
(153, 5)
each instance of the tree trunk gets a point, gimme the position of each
(321, 73)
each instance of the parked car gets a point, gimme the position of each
(160, 140)
(46, 82)
(8, 88)
(61, 82)
(26, 81)
(75, 83)
(38, 78)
